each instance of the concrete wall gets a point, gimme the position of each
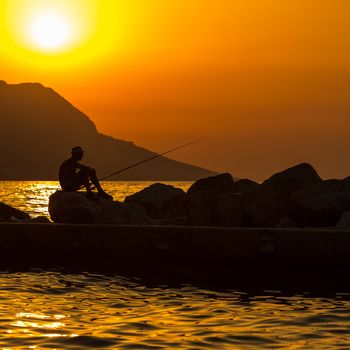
(210, 244)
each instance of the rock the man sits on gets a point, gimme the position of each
(74, 176)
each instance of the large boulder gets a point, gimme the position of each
(72, 207)
(76, 207)
(323, 203)
(209, 201)
(117, 213)
(219, 184)
(160, 201)
(7, 213)
(230, 210)
(292, 179)
(245, 186)
(263, 207)
(271, 202)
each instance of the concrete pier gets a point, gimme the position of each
(252, 255)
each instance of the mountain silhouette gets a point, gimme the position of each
(39, 128)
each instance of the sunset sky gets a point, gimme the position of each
(267, 82)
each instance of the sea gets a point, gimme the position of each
(85, 310)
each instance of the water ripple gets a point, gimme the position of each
(74, 311)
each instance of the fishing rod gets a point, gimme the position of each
(149, 159)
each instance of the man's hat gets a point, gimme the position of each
(77, 150)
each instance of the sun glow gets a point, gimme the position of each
(50, 31)
(53, 33)
(51, 27)
(60, 35)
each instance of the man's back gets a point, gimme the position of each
(67, 172)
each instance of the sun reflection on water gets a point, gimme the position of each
(38, 324)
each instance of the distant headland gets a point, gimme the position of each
(39, 127)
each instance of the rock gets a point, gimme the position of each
(211, 202)
(245, 186)
(219, 183)
(201, 208)
(344, 222)
(231, 210)
(117, 213)
(173, 211)
(76, 207)
(7, 213)
(293, 179)
(263, 208)
(323, 203)
(39, 220)
(160, 201)
(272, 201)
(72, 207)
(257, 206)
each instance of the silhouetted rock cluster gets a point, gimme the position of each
(163, 203)
(9, 214)
(295, 197)
(221, 201)
(76, 207)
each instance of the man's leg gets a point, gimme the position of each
(96, 183)
(83, 177)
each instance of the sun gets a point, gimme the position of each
(61, 34)
(53, 27)
(50, 31)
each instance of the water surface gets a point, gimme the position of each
(51, 310)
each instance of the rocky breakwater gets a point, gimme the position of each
(77, 207)
(295, 197)
(156, 204)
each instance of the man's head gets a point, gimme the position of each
(77, 153)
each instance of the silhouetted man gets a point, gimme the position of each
(73, 175)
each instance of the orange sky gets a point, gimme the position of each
(268, 82)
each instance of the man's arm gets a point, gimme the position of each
(83, 167)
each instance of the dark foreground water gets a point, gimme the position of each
(52, 310)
